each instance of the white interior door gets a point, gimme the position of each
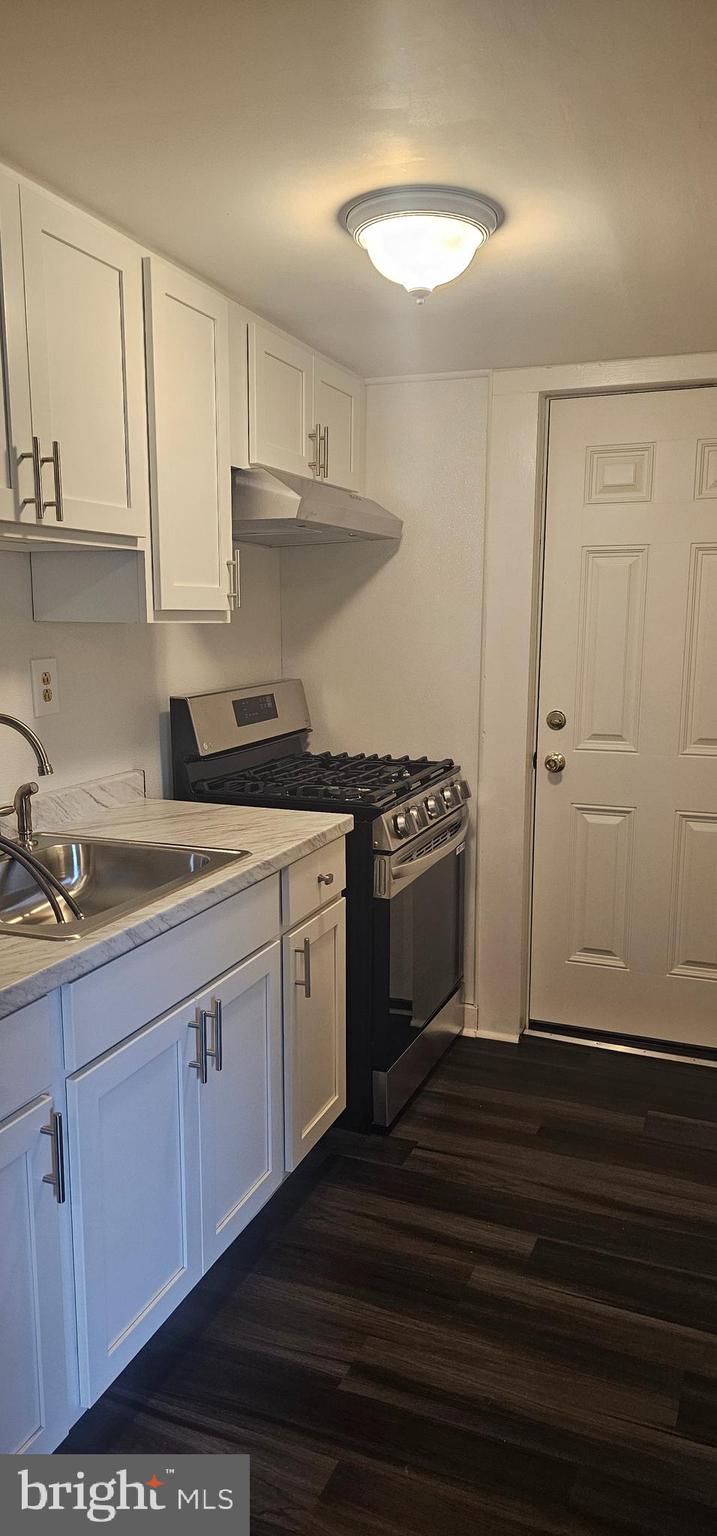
(34, 1404)
(280, 400)
(339, 409)
(625, 879)
(241, 1109)
(189, 394)
(83, 287)
(16, 480)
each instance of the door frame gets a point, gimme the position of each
(512, 585)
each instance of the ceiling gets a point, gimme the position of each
(227, 133)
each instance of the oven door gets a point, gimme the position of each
(418, 960)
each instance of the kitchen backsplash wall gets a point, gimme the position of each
(388, 641)
(115, 679)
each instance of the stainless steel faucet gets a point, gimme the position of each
(21, 805)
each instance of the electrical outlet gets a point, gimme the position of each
(45, 686)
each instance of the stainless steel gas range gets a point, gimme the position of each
(405, 871)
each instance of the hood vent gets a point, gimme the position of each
(272, 507)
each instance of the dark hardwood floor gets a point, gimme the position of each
(500, 1319)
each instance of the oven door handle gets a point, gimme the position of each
(395, 872)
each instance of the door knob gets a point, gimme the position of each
(555, 762)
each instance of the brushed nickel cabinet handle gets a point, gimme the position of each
(36, 500)
(305, 980)
(54, 459)
(199, 1025)
(57, 1176)
(315, 437)
(216, 1050)
(325, 465)
(326, 879)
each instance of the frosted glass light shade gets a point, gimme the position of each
(421, 250)
(421, 237)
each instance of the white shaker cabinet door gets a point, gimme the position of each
(17, 481)
(241, 1105)
(190, 463)
(83, 293)
(34, 1411)
(314, 1029)
(339, 406)
(134, 1148)
(280, 401)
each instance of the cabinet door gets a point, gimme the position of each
(188, 393)
(34, 1410)
(280, 400)
(339, 402)
(134, 1145)
(241, 1108)
(83, 292)
(314, 1029)
(16, 480)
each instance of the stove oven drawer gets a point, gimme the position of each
(312, 882)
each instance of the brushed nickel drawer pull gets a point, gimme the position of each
(326, 879)
(216, 1051)
(36, 500)
(54, 459)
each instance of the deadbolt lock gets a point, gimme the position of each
(556, 720)
(555, 762)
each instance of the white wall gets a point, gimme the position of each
(388, 643)
(115, 679)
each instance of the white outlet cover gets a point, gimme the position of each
(43, 672)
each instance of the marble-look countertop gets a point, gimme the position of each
(30, 968)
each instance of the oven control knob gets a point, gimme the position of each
(400, 824)
(416, 818)
(448, 796)
(433, 809)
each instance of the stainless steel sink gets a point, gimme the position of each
(107, 880)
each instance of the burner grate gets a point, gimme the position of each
(358, 778)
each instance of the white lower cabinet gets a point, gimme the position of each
(34, 1390)
(240, 1106)
(176, 1143)
(314, 1029)
(134, 1153)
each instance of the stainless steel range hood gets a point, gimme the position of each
(272, 507)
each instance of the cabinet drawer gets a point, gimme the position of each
(313, 882)
(112, 1002)
(29, 1053)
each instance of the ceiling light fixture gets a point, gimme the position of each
(421, 236)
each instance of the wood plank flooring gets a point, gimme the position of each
(500, 1319)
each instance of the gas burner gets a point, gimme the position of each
(341, 777)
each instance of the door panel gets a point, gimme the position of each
(34, 1410)
(339, 408)
(83, 285)
(241, 1105)
(188, 378)
(314, 1029)
(625, 890)
(135, 1177)
(280, 400)
(16, 480)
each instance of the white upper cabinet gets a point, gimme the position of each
(83, 296)
(17, 481)
(189, 411)
(339, 417)
(280, 400)
(305, 413)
